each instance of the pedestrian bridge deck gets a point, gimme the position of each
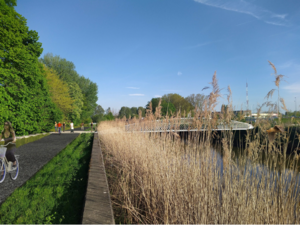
(184, 125)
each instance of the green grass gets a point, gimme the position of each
(55, 195)
(288, 120)
(23, 141)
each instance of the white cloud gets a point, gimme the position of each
(136, 94)
(157, 96)
(133, 87)
(293, 88)
(179, 73)
(198, 45)
(245, 7)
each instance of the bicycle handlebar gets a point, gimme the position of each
(8, 144)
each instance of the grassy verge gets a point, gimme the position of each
(24, 141)
(56, 193)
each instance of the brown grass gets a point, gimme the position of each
(160, 178)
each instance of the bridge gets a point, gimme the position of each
(184, 125)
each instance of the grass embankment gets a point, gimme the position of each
(56, 193)
(23, 141)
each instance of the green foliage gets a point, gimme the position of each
(179, 102)
(166, 106)
(66, 72)
(108, 116)
(125, 111)
(295, 114)
(196, 100)
(143, 110)
(98, 114)
(77, 105)
(59, 90)
(55, 195)
(25, 98)
(11, 3)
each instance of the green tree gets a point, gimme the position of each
(143, 110)
(77, 105)
(66, 72)
(134, 111)
(25, 98)
(98, 114)
(179, 102)
(125, 111)
(196, 100)
(166, 106)
(59, 90)
(109, 116)
(11, 3)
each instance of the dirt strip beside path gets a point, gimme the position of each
(33, 156)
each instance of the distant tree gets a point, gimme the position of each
(179, 102)
(59, 90)
(98, 114)
(154, 102)
(166, 106)
(143, 110)
(196, 100)
(109, 116)
(134, 111)
(125, 111)
(108, 110)
(66, 71)
(77, 105)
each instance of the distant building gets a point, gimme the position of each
(264, 115)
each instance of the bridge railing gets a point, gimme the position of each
(183, 125)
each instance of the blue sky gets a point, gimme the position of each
(136, 50)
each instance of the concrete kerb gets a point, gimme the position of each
(98, 207)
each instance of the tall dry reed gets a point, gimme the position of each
(158, 177)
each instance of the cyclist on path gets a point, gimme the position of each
(8, 134)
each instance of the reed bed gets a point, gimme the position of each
(160, 178)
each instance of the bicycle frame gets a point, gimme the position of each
(6, 161)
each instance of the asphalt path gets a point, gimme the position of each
(33, 156)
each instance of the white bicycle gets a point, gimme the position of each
(6, 167)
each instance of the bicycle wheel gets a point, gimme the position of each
(2, 169)
(14, 173)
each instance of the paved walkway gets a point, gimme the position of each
(33, 156)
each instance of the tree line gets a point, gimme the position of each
(35, 92)
(170, 104)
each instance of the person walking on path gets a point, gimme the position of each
(55, 125)
(59, 127)
(92, 126)
(82, 126)
(72, 127)
(64, 126)
(8, 134)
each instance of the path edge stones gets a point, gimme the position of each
(97, 207)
